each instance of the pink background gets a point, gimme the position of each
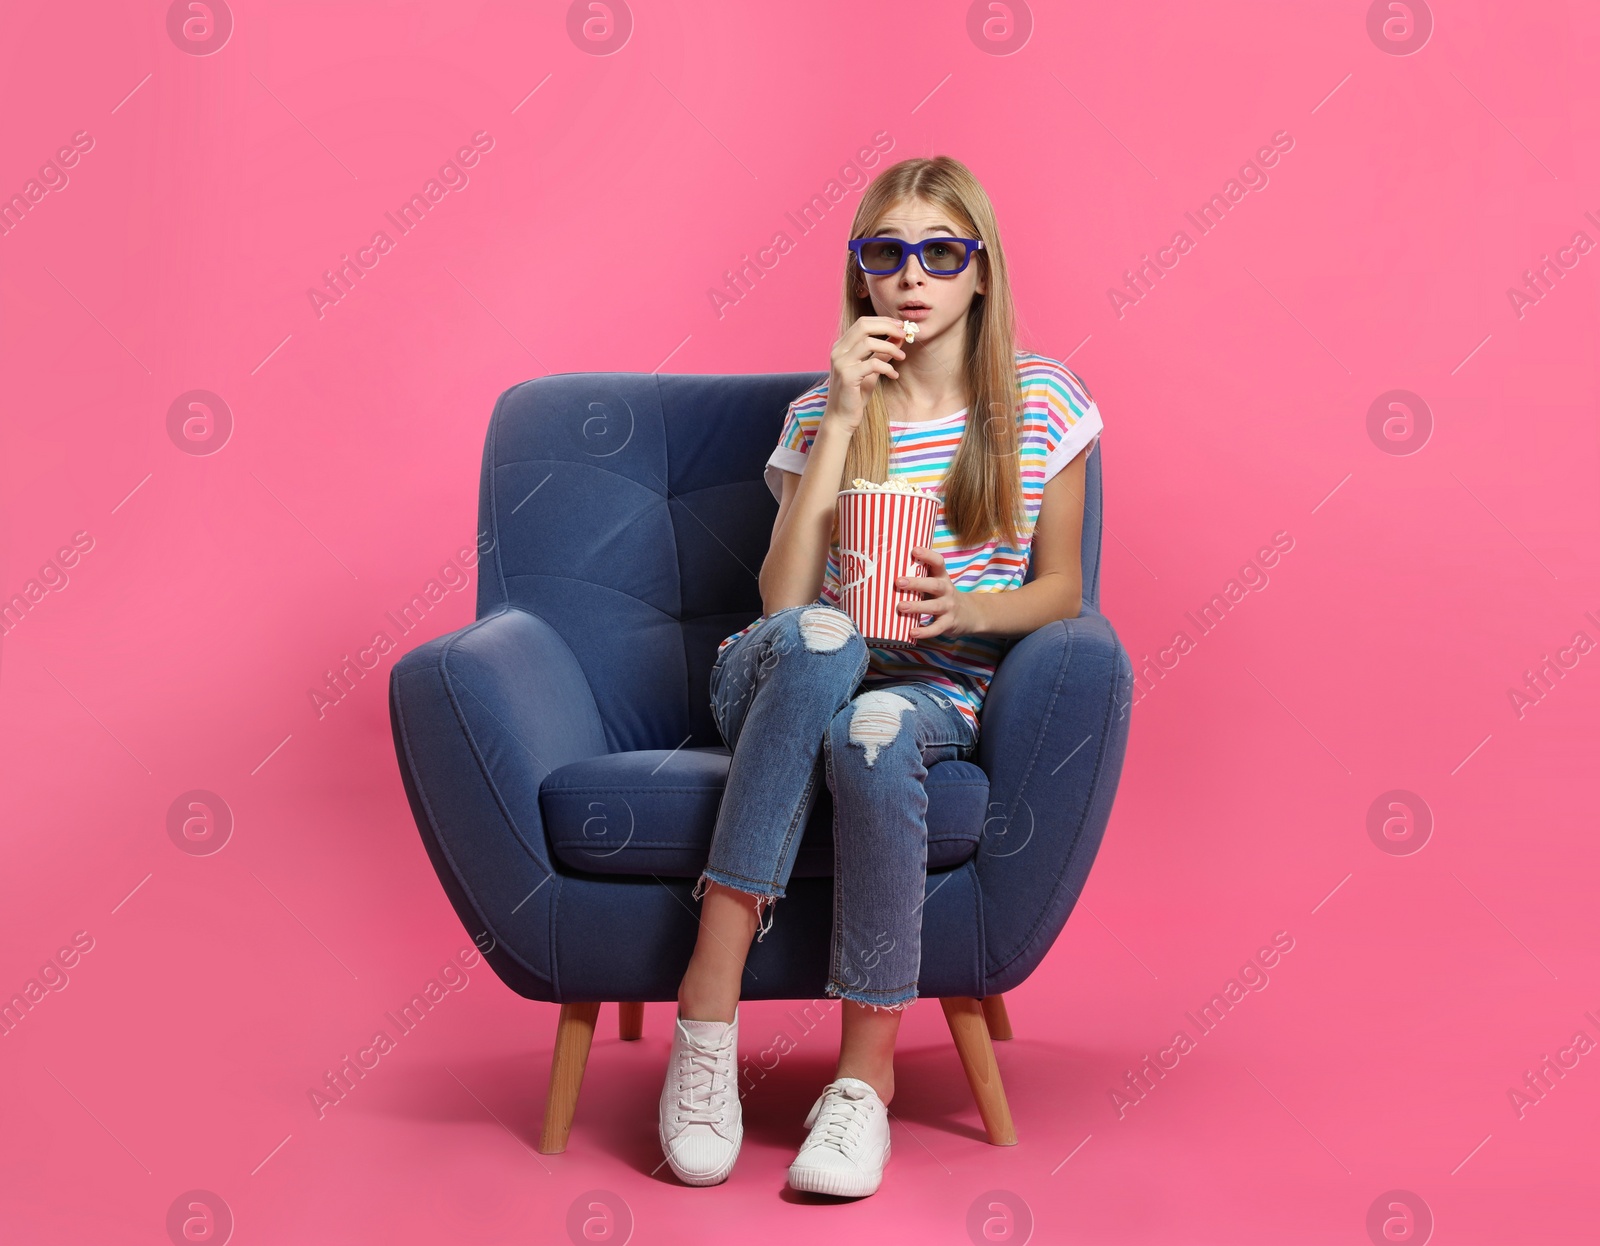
(619, 189)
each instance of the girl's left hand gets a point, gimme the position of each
(950, 607)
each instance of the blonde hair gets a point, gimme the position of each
(983, 487)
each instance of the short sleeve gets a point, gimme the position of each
(794, 442)
(1073, 418)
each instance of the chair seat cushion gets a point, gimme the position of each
(653, 811)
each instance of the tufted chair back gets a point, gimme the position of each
(629, 511)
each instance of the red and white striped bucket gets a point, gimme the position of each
(877, 530)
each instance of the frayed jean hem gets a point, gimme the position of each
(900, 1005)
(763, 899)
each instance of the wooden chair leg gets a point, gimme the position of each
(968, 1027)
(994, 1012)
(630, 1020)
(574, 1033)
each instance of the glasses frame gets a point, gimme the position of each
(974, 245)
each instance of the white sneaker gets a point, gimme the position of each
(849, 1142)
(700, 1121)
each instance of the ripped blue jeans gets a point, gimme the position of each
(786, 697)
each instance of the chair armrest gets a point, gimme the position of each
(480, 716)
(1053, 734)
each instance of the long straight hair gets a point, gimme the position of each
(983, 487)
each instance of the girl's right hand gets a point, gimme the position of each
(858, 359)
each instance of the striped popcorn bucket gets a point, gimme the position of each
(877, 530)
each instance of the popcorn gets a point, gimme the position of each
(910, 330)
(894, 484)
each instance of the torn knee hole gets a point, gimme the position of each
(825, 630)
(875, 720)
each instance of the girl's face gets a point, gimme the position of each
(935, 302)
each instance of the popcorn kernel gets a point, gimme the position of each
(895, 484)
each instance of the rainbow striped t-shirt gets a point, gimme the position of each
(1057, 421)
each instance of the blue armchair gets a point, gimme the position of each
(564, 769)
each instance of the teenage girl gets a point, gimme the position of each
(800, 697)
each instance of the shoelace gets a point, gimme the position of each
(842, 1116)
(697, 1070)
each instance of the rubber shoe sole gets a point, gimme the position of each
(722, 1172)
(832, 1181)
